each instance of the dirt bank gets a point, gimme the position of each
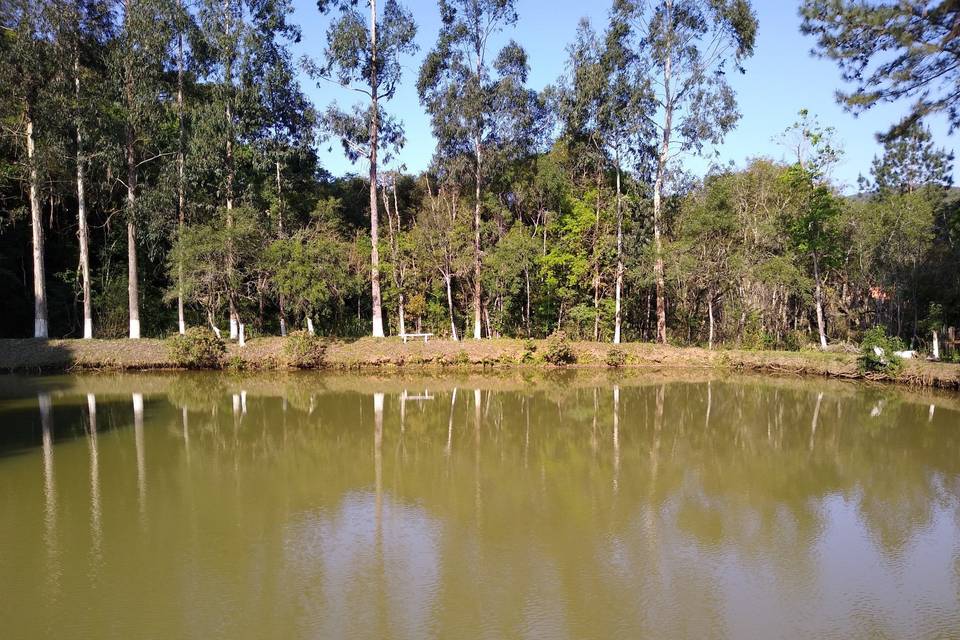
(267, 353)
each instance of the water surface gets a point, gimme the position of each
(569, 506)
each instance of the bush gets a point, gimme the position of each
(616, 357)
(558, 351)
(885, 362)
(529, 351)
(303, 350)
(198, 348)
(462, 358)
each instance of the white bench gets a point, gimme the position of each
(406, 336)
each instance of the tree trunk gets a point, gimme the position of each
(228, 109)
(476, 246)
(374, 231)
(596, 266)
(453, 323)
(710, 312)
(526, 273)
(133, 294)
(818, 296)
(83, 232)
(181, 187)
(658, 186)
(36, 225)
(619, 287)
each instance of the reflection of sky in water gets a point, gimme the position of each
(337, 555)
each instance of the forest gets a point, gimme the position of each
(159, 169)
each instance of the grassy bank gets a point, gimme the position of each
(267, 353)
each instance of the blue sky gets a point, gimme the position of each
(781, 78)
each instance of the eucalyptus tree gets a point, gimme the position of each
(365, 53)
(245, 41)
(286, 132)
(605, 103)
(144, 36)
(891, 51)
(83, 30)
(25, 62)
(687, 47)
(477, 102)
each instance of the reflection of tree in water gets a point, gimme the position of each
(554, 508)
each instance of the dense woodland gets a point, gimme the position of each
(159, 169)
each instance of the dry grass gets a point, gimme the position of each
(267, 353)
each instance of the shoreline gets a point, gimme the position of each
(58, 356)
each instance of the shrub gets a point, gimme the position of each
(304, 350)
(558, 351)
(885, 361)
(462, 358)
(529, 351)
(616, 357)
(198, 348)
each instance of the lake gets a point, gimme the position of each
(508, 505)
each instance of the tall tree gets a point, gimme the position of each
(687, 45)
(815, 208)
(144, 38)
(910, 162)
(368, 52)
(476, 105)
(83, 29)
(24, 62)
(605, 104)
(892, 50)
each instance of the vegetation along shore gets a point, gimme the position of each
(392, 354)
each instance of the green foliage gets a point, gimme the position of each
(890, 51)
(884, 361)
(462, 358)
(558, 351)
(616, 357)
(529, 351)
(303, 350)
(198, 348)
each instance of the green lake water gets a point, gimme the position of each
(509, 505)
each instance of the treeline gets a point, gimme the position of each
(158, 170)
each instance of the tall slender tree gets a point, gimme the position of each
(24, 63)
(477, 104)
(687, 45)
(365, 53)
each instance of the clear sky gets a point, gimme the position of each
(781, 78)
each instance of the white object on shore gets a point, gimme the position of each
(906, 355)
(406, 336)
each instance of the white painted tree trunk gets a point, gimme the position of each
(453, 324)
(283, 327)
(310, 326)
(818, 294)
(242, 335)
(40, 329)
(710, 311)
(83, 232)
(936, 346)
(181, 185)
(374, 211)
(617, 320)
